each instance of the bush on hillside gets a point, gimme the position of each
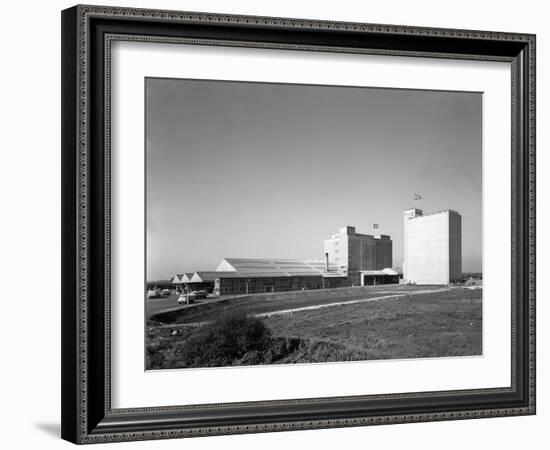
(225, 340)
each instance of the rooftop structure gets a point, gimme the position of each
(271, 267)
(181, 278)
(205, 277)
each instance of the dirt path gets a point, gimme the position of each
(393, 296)
(349, 302)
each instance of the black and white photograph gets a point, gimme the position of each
(275, 225)
(299, 224)
(275, 220)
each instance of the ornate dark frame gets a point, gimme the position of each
(87, 32)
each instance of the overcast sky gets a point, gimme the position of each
(266, 170)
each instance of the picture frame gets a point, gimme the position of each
(87, 35)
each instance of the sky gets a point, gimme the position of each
(266, 170)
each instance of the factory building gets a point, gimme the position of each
(205, 280)
(433, 247)
(358, 255)
(249, 276)
(432, 255)
(350, 259)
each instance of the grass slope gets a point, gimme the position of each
(415, 326)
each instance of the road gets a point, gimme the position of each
(262, 304)
(157, 305)
(350, 302)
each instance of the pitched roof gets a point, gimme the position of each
(256, 267)
(180, 278)
(176, 279)
(201, 277)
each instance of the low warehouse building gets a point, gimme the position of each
(248, 276)
(376, 277)
(180, 280)
(351, 259)
(204, 281)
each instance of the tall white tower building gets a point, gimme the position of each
(433, 247)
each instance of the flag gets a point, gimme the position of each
(417, 197)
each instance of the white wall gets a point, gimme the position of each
(30, 229)
(427, 249)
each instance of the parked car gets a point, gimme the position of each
(192, 296)
(184, 299)
(151, 293)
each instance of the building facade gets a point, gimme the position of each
(351, 253)
(433, 247)
(351, 259)
(180, 280)
(252, 276)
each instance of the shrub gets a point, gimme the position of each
(280, 348)
(224, 341)
(155, 359)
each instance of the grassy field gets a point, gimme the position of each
(266, 303)
(405, 322)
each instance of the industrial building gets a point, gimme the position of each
(432, 255)
(350, 259)
(181, 279)
(433, 247)
(358, 255)
(247, 276)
